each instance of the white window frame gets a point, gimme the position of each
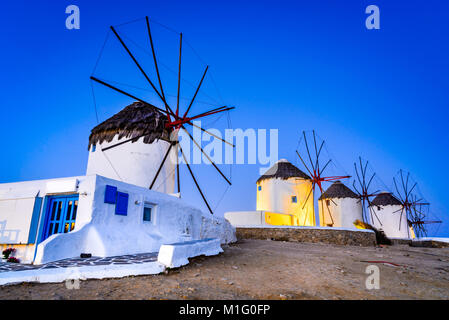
(153, 206)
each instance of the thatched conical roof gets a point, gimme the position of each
(338, 190)
(283, 170)
(134, 120)
(385, 199)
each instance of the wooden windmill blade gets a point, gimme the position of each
(410, 201)
(174, 120)
(196, 183)
(417, 224)
(153, 51)
(403, 200)
(314, 168)
(179, 74)
(104, 83)
(206, 155)
(364, 189)
(419, 221)
(140, 67)
(361, 193)
(161, 165)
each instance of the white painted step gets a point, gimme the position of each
(177, 254)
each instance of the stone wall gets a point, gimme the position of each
(401, 241)
(300, 234)
(430, 244)
(421, 243)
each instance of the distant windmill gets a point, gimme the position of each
(413, 207)
(315, 169)
(173, 119)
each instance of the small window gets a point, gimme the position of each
(94, 147)
(259, 188)
(294, 199)
(147, 211)
(328, 203)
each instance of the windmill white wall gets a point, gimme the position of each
(135, 163)
(340, 212)
(386, 216)
(390, 221)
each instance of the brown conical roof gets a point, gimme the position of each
(283, 170)
(338, 190)
(385, 199)
(133, 121)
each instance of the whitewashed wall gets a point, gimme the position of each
(344, 212)
(136, 163)
(17, 201)
(15, 220)
(17, 204)
(101, 232)
(390, 221)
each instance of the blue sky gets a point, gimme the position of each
(290, 65)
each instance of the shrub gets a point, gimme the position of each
(13, 260)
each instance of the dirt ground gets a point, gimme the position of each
(264, 269)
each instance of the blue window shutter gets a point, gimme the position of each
(121, 207)
(110, 194)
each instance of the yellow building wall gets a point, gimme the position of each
(412, 233)
(279, 219)
(275, 196)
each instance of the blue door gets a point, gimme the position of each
(61, 215)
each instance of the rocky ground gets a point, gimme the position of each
(264, 269)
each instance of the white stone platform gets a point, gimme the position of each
(177, 254)
(82, 269)
(170, 255)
